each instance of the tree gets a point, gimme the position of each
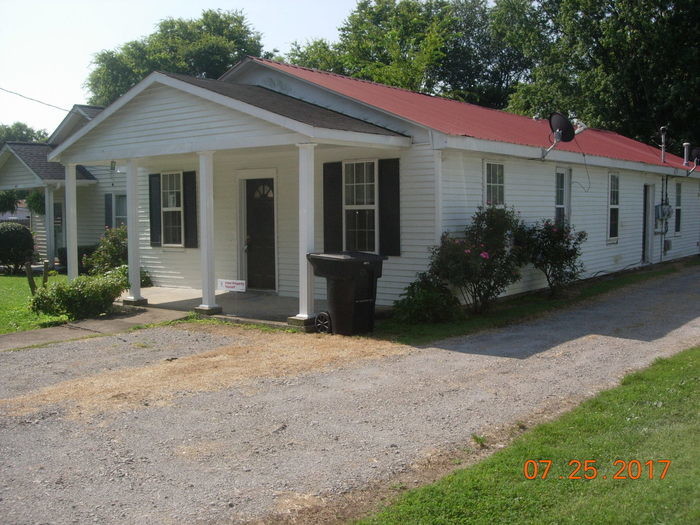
(444, 47)
(205, 47)
(21, 132)
(625, 65)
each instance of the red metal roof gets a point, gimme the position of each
(460, 118)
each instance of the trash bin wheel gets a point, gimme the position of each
(323, 323)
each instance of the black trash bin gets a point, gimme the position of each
(352, 290)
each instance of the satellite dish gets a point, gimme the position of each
(562, 129)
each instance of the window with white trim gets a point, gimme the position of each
(562, 196)
(119, 211)
(171, 208)
(495, 185)
(613, 206)
(679, 187)
(360, 216)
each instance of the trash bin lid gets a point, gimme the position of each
(347, 256)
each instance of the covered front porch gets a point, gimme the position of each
(248, 306)
(233, 192)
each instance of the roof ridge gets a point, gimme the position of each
(436, 97)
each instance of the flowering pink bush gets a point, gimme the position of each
(486, 261)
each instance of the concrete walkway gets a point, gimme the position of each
(111, 324)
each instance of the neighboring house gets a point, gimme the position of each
(21, 215)
(101, 198)
(238, 178)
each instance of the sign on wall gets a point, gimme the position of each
(230, 285)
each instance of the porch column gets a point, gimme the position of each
(206, 233)
(306, 230)
(132, 231)
(71, 222)
(48, 225)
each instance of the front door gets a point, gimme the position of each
(260, 233)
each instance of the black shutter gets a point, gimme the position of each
(154, 207)
(333, 207)
(108, 210)
(389, 209)
(189, 202)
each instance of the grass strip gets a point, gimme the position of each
(15, 315)
(654, 414)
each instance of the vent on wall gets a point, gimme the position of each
(667, 245)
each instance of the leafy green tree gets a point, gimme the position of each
(203, 47)
(21, 132)
(444, 47)
(626, 65)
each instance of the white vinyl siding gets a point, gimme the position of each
(164, 120)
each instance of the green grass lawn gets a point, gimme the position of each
(14, 300)
(653, 415)
(520, 308)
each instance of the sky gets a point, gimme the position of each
(46, 46)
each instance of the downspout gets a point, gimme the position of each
(437, 166)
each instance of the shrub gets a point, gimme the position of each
(112, 253)
(123, 273)
(83, 251)
(8, 201)
(483, 264)
(556, 251)
(82, 297)
(427, 300)
(36, 202)
(16, 246)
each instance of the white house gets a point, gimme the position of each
(240, 177)
(100, 194)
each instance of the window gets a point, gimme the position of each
(171, 208)
(679, 187)
(495, 185)
(360, 206)
(119, 211)
(562, 196)
(614, 206)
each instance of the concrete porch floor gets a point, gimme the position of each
(253, 305)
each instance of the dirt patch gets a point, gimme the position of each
(259, 355)
(434, 465)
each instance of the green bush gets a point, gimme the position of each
(112, 253)
(83, 251)
(80, 298)
(8, 201)
(16, 246)
(483, 264)
(427, 300)
(555, 251)
(122, 272)
(36, 202)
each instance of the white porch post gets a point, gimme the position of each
(132, 231)
(71, 222)
(306, 230)
(48, 224)
(206, 233)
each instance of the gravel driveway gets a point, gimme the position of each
(201, 424)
